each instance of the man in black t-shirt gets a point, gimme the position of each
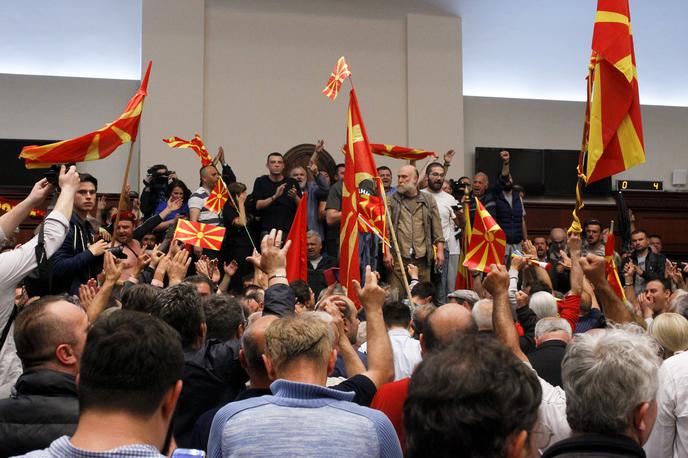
(276, 197)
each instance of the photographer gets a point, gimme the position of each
(155, 188)
(16, 264)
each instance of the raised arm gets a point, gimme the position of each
(380, 358)
(614, 309)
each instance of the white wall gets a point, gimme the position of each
(519, 123)
(51, 107)
(265, 63)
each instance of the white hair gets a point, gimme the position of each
(313, 234)
(543, 304)
(606, 376)
(482, 313)
(551, 324)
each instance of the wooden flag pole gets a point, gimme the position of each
(120, 204)
(396, 248)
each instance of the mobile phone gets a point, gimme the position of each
(188, 453)
(332, 275)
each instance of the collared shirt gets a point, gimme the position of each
(670, 434)
(63, 448)
(445, 202)
(406, 352)
(198, 200)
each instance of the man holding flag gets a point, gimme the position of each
(414, 216)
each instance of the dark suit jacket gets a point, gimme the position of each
(546, 360)
(316, 277)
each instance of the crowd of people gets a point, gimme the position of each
(119, 340)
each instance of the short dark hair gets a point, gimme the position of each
(654, 236)
(396, 313)
(537, 285)
(140, 298)
(424, 289)
(223, 316)
(447, 407)
(130, 361)
(275, 153)
(592, 222)
(88, 178)
(384, 167)
(666, 283)
(37, 333)
(301, 290)
(639, 231)
(431, 166)
(196, 279)
(341, 164)
(180, 307)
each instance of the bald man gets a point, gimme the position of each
(442, 327)
(415, 218)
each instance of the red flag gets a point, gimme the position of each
(464, 280)
(200, 234)
(95, 145)
(297, 256)
(610, 267)
(337, 77)
(218, 197)
(400, 152)
(488, 241)
(615, 135)
(195, 144)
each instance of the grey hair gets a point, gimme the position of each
(551, 324)
(680, 301)
(482, 313)
(326, 317)
(311, 234)
(543, 304)
(606, 376)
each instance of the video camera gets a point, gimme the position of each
(53, 173)
(159, 176)
(457, 189)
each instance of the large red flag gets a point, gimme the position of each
(400, 152)
(297, 256)
(95, 145)
(359, 166)
(614, 135)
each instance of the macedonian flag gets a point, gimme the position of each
(199, 234)
(337, 77)
(488, 241)
(95, 145)
(614, 135)
(400, 152)
(610, 267)
(218, 197)
(195, 144)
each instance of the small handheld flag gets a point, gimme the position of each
(218, 197)
(199, 234)
(195, 144)
(337, 77)
(488, 241)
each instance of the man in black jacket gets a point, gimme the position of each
(648, 265)
(212, 373)
(552, 334)
(318, 263)
(50, 335)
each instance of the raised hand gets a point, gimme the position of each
(179, 265)
(371, 295)
(504, 155)
(594, 269)
(231, 268)
(449, 155)
(112, 267)
(98, 248)
(496, 282)
(273, 257)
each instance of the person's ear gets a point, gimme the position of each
(642, 422)
(332, 361)
(517, 446)
(169, 401)
(65, 355)
(269, 367)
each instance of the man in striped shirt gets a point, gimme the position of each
(198, 212)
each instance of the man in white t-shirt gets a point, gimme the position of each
(448, 208)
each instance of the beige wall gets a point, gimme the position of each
(521, 123)
(51, 107)
(265, 63)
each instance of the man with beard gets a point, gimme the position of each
(416, 220)
(450, 211)
(593, 238)
(509, 208)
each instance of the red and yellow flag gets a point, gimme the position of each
(372, 213)
(337, 77)
(218, 197)
(400, 152)
(297, 256)
(488, 241)
(199, 234)
(614, 136)
(195, 144)
(610, 267)
(95, 145)
(359, 166)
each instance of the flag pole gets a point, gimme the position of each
(393, 235)
(120, 204)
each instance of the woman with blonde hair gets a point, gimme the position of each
(670, 330)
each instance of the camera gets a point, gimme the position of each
(117, 251)
(458, 189)
(158, 177)
(53, 174)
